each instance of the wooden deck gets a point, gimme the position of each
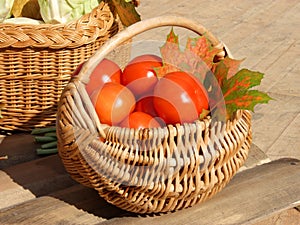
(265, 34)
(37, 190)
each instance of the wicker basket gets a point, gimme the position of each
(149, 170)
(37, 61)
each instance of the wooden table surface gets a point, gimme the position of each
(37, 190)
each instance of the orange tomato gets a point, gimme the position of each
(179, 97)
(113, 102)
(139, 75)
(139, 120)
(106, 71)
(146, 105)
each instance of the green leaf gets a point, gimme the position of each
(242, 80)
(235, 87)
(225, 69)
(237, 93)
(245, 100)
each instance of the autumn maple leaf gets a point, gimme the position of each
(170, 54)
(229, 88)
(235, 86)
(238, 94)
(126, 11)
(196, 58)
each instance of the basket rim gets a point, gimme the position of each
(73, 34)
(142, 26)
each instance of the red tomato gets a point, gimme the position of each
(179, 98)
(146, 105)
(106, 71)
(139, 75)
(113, 102)
(138, 120)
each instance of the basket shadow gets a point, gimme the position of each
(88, 200)
(46, 176)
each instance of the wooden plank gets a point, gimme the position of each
(47, 176)
(12, 193)
(278, 116)
(256, 157)
(46, 210)
(251, 196)
(266, 26)
(19, 148)
(88, 200)
(41, 176)
(14, 196)
(287, 217)
(25, 181)
(288, 143)
(259, 18)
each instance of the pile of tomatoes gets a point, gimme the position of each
(135, 97)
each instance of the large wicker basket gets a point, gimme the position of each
(36, 62)
(149, 170)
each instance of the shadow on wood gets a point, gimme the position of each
(251, 196)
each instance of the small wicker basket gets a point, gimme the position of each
(149, 170)
(38, 60)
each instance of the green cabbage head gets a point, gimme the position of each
(5, 8)
(63, 11)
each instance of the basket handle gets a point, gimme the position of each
(139, 27)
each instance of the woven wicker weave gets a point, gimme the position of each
(148, 170)
(36, 62)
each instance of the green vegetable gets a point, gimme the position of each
(5, 8)
(49, 145)
(43, 139)
(43, 130)
(47, 138)
(48, 151)
(63, 11)
(50, 134)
